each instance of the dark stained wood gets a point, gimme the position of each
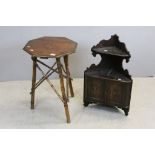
(108, 83)
(112, 47)
(50, 47)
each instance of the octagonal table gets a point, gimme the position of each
(52, 47)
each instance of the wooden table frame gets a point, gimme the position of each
(62, 71)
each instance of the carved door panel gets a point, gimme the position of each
(96, 88)
(113, 93)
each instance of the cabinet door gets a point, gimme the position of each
(94, 89)
(113, 92)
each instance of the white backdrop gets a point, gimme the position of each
(15, 64)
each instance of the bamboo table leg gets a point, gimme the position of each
(34, 59)
(67, 78)
(63, 90)
(68, 75)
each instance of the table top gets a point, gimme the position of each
(50, 47)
